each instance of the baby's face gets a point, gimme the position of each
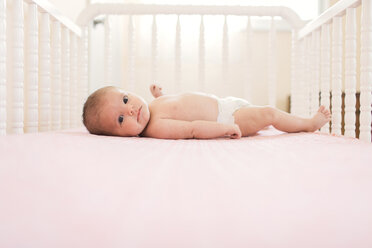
(124, 113)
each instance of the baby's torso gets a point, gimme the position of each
(186, 107)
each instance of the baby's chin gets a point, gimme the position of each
(144, 125)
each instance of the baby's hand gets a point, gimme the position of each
(156, 90)
(235, 132)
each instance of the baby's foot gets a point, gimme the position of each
(320, 118)
(156, 90)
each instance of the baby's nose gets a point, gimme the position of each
(131, 110)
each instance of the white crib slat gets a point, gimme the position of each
(314, 78)
(31, 83)
(44, 71)
(65, 78)
(178, 56)
(294, 74)
(366, 71)
(336, 74)
(301, 79)
(325, 70)
(249, 62)
(225, 54)
(201, 55)
(74, 114)
(311, 60)
(108, 50)
(131, 55)
(18, 67)
(307, 76)
(272, 70)
(83, 71)
(56, 75)
(316, 82)
(319, 58)
(154, 49)
(350, 72)
(2, 67)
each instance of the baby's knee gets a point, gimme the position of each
(269, 114)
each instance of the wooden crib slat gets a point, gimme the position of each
(366, 71)
(325, 76)
(31, 83)
(336, 74)
(108, 50)
(44, 74)
(131, 55)
(177, 52)
(65, 77)
(56, 75)
(201, 55)
(350, 72)
(17, 67)
(154, 50)
(3, 67)
(272, 68)
(74, 114)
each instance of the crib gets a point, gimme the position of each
(269, 190)
(43, 97)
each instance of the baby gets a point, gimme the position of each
(112, 111)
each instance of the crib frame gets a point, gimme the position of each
(313, 57)
(39, 85)
(317, 59)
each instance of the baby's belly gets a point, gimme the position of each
(193, 106)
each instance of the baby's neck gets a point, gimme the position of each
(142, 134)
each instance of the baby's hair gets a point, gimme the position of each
(92, 109)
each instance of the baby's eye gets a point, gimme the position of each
(121, 119)
(125, 99)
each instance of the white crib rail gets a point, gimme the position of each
(131, 10)
(331, 54)
(140, 9)
(35, 78)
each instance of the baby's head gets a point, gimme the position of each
(112, 111)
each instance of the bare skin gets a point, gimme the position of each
(194, 115)
(253, 119)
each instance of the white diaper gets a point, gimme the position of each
(227, 107)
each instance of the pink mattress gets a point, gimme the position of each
(72, 189)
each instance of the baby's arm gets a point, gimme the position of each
(175, 129)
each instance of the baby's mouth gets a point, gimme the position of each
(138, 114)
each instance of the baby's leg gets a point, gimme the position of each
(156, 90)
(253, 119)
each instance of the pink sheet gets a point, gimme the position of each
(72, 189)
